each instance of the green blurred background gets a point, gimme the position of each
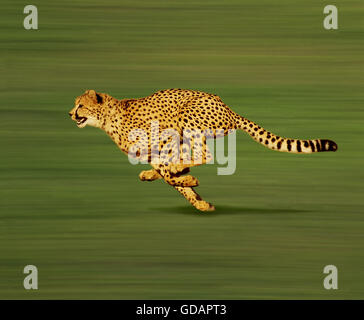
(71, 204)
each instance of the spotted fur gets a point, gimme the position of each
(183, 111)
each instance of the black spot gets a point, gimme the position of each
(312, 146)
(306, 144)
(279, 144)
(299, 146)
(318, 145)
(289, 147)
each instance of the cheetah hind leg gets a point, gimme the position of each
(201, 153)
(194, 198)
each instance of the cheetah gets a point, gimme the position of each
(182, 111)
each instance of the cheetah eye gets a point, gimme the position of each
(80, 106)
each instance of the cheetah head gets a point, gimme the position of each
(88, 109)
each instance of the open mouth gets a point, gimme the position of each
(81, 120)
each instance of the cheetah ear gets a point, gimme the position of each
(94, 96)
(91, 93)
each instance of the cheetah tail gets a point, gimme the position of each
(277, 143)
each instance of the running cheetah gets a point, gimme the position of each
(183, 111)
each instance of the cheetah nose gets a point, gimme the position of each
(70, 114)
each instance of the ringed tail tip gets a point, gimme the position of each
(329, 145)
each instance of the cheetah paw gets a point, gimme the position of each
(204, 206)
(149, 175)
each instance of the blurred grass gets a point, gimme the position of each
(71, 204)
